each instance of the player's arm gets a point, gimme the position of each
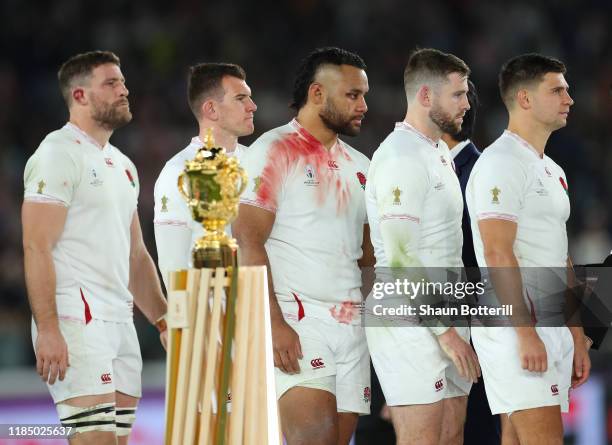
(367, 258)
(144, 282)
(582, 362)
(251, 229)
(498, 236)
(173, 246)
(38, 242)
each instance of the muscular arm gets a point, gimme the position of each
(39, 238)
(367, 258)
(38, 242)
(252, 229)
(498, 238)
(144, 283)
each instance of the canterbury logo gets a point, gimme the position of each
(106, 378)
(332, 164)
(439, 385)
(555, 390)
(317, 363)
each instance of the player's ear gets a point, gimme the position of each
(523, 99)
(209, 110)
(316, 93)
(424, 96)
(78, 96)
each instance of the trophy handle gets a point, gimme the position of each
(181, 188)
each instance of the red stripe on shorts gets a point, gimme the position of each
(300, 306)
(87, 311)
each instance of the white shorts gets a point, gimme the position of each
(331, 349)
(104, 357)
(509, 387)
(411, 366)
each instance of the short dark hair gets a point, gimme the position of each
(79, 68)
(469, 119)
(204, 80)
(310, 65)
(523, 70)
(430, 64)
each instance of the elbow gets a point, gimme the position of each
(495, 257)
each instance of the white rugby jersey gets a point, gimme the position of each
(511, 181)
(317, 196)
(412, 178)
(99, 185)
(171, 210)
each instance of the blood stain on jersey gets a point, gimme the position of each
(41, 186)
(164, 203)
(396, 196)
(345, 314)
(495, 195)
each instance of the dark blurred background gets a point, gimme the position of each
(158, 40)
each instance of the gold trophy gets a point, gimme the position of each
(212, 186)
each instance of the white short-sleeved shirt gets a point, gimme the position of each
(317, 196)
(412, 177)
(510, 181)
(99, 185)
(171, 208)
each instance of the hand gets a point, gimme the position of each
(287, 348)
(581, 368)
(51, 355)
(532, 351)
(461, 353)
(163, 337)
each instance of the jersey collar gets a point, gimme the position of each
(523, 142)
(406, 126)
(84, 135)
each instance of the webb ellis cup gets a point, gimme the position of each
(212, 183)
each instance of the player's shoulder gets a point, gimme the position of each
(60, 141)
(266, 139)
(172, 169)
(502, 154)
(354, 154)
(401, 144)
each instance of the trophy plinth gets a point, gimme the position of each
(211, 184)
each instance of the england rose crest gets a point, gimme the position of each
(362, 179)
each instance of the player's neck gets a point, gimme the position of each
(222, 138)
(531, 132)
(92, 129)
(449, 140)
(422, 122)
(312, 123)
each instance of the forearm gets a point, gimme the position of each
(252, 254)
(41, 285)
(506, 278)
(145, 287)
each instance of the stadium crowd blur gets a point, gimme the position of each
(157, 41)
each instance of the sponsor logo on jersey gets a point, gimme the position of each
(41, 186)
(396, 196)
(548, 173)
(362, 179)
(95, 181)
(443, 160)
(555, 390)
(310, 176)
(332, 165)
(317, 363)
(109, 162)
(439, 385)
(164, 203)
(106, 378)
(495, 191)
(367, 394)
